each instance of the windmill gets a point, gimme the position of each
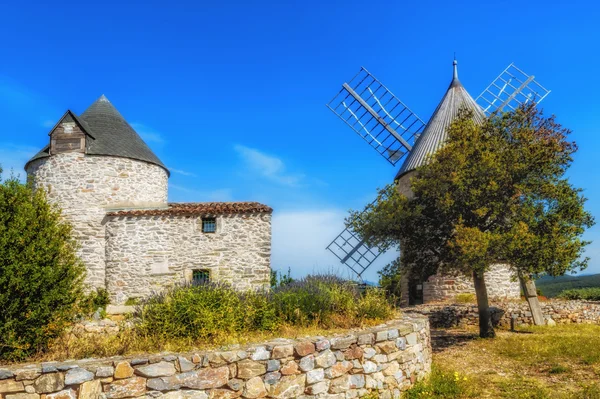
(401, 137)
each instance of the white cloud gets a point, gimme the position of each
(300, 239)
(181, 172)
(49, 123)
(147, 133)
(268, 166)
(13, 158)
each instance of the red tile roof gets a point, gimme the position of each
(198, 208)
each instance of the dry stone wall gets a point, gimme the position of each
(145, 254)
(387, 359)
(85, 186)
(555, 312)
(500, 283)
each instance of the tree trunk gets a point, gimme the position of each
(530, 292)
(486, 329)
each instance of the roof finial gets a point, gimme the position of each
(455, 64)
(103, 98)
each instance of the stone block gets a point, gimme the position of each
(255, 388)
(307, 363)
(78, 375)
(261, 353)
(123, 370)
(289, 387)
(90, 390)
(126, 388)
(249, 368)
(315, 375)
(9, 386)
(198, 379)
(47, 383)
(161, 369)
(325, 359)
(282, 351)
(304, 348)
(64, 394)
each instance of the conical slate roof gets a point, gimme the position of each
(110, 134)
(436, 131)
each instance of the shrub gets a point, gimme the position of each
(213, 311)
(40, 275)
(588, 294)
(94, 300)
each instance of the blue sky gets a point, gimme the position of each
(231, 95)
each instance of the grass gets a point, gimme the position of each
(537, 363)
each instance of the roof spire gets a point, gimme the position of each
(103, 98)
(455, 64)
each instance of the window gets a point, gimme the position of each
(200, 277)
(209, 225)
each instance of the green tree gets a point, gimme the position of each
(40, 275)
(495, 192)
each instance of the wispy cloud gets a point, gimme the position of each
(147, 133)
(268, 166)
(181, 172)
(19, 101)
(49, 123)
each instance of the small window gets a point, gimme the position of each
(200, 277)
(209, 225)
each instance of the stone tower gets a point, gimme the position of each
(500, 281)
(95, 163)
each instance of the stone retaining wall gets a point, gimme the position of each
(555, 311)
(387, 359)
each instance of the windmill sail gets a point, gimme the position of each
(353, 251)
(509, 90)
(376, 115)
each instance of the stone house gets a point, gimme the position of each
(501, 282)
(113, 190)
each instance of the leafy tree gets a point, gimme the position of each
(390, 279)
(40, 275)
(495, 192)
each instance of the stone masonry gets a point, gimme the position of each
(555, 311)
(145, 254)
(386, 360)
(85, 186)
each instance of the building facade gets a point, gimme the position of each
(113, 190)
(501, 280)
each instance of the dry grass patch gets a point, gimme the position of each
(538, 362)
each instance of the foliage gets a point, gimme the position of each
(40, 275)
(495, 191)
(440, 384)
(94, 300)
(211, 311)
(553, 286)
(280, 278)
(588, 294)
(390, 278)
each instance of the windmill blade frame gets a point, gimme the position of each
(511, 89)
(377, 115)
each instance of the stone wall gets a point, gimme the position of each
(444, 288)
(85, 186)
(387, 359)
(555, 311)
(148, 253)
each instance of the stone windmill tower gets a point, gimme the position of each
(95, 162)
(401, 137)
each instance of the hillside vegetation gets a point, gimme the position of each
(552, 286)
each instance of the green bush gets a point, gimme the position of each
(94, 300)
(214, 311)
(588, 294)
(40, 275)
